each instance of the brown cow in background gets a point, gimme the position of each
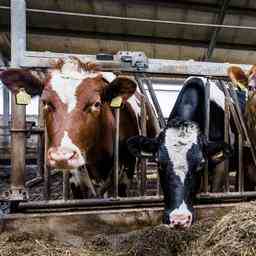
(247, 82)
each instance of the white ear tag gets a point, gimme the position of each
(22, 97)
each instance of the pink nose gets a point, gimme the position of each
(181, 220)
(60, 156)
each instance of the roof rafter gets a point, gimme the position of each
(220, 20)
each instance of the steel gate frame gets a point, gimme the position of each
(20, 57)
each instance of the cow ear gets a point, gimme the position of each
(143, 147)
(238, 77)
(15, 79)
(216, 151)
(120, 86)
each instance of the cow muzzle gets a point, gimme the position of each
(183, 220)
(65, 158)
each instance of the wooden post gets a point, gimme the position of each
(18, 46)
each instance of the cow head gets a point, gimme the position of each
(76, 99)
(181, 150)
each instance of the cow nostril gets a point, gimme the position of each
(73, 155)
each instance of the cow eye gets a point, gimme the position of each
(97, 104)
(48, 106)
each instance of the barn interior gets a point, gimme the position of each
(189, 36)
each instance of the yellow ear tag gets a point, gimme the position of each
(22, 98)
(116, 102)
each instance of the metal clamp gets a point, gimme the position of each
(136, 60)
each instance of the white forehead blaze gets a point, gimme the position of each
(66, 82)
(178, 142)
(65, 89)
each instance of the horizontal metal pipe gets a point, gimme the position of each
(132, 202)
(110, 17)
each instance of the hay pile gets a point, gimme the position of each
(233, 235)
(42, 244)
(162, 240)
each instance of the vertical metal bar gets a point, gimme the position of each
(156, 103)
(226, 140)
(18, 46)
(116, 152)
(46, 168)
(143, 169)
(240, 164)
(40, 142)
(6, 114)
(65, 185)
(206, 131)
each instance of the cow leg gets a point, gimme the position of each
(81, 184)
(218, 177)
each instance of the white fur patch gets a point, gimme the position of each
(65, 89)
(67, 143)
(217, 95)
(183, 209)
(135, 104)
(178, 141)
(108, 76)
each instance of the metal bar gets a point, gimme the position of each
(155, 21)
(158, 109)
(206, 132)
(158, 66)
(226, 140)
(243, 126)
(216, 31)
(191, 5)
(149, 200)
(6, 112)
(143, 163)
(240, 164)
(46, 169)
(116, 152)
(18, 46)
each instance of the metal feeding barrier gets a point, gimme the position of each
(134, 64)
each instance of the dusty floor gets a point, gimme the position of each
(156, 241)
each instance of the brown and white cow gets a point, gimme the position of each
(79, 121)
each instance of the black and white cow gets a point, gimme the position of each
(181, 148)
